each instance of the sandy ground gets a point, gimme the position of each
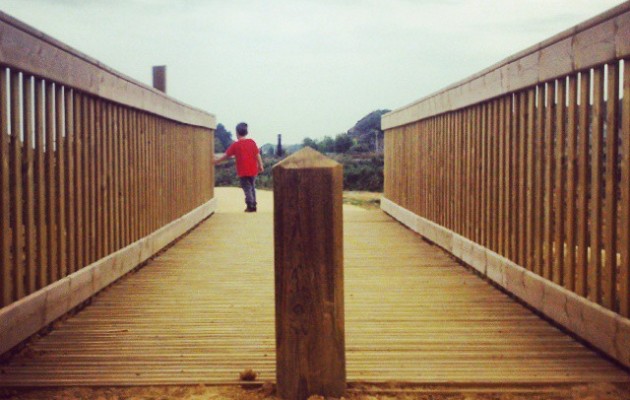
(231, 199)
(355, 392)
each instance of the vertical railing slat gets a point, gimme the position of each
(624, 270)
(571, 194)
(5, 206)
(29, 185)
(558, 243)
(546, 245)
(583, 185)
(62, 268)
(51, 185)
(595, 228)
(17, 214)
(41, 191)
(609, 271)
(78, 112)
(70, 188)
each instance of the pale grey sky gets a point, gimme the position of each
(301, 67)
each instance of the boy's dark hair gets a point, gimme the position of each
(241, 129)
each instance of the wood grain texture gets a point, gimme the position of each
(610, 210)
(308, 243)
(595, 227)
(203, 311)
(30, 144)
(624, 269)
(5, 193)
(17, 200)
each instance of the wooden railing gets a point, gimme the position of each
(531, 160)
(90, 160)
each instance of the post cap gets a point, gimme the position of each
(306, 158)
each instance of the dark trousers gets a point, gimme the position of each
(248, 183)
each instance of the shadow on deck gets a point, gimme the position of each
(204, 310)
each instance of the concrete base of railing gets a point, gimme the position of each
(20, 320)
(597, 325)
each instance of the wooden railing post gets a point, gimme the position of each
(159, 78)
(310, 344)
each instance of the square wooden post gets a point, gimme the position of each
(310, 340)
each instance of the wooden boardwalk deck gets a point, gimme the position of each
(203, 311)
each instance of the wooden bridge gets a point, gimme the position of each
(201, 312)
(514, 184)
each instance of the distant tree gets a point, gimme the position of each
(327, 145)
(359, 148)
(343, 142)
(222, 139)
(308, 142)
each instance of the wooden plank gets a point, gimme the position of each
(41, 179)
(17, 215)
(595, 228)
(487, 172)
(99, 181)
(134, 173)
(624, 269)
(87, 181)
(517, 146)
(120, 240)
(70, 189)
(111, 188)
(509, 145)
(609, 271)
(51, 185)
(117, 178)
(61, 182)
(492, 171)
(548, 225)
(79, 172)
(92, 182)
(30, 143)
(533, 137)
(525, 119)
(558, 250)
(30, 50)
(478, 175)
(5, 199)
(542, 120)
(126, 175)
(583, 185)
(571, 211)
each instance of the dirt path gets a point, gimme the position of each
(356, 392)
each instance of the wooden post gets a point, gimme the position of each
(310, 348)
(159, 78)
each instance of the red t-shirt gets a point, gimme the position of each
(246, 152)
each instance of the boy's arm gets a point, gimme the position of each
(261, 166)
(221, 159)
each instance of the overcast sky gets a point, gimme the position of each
(301, 68)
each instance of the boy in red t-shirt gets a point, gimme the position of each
(248, 164)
